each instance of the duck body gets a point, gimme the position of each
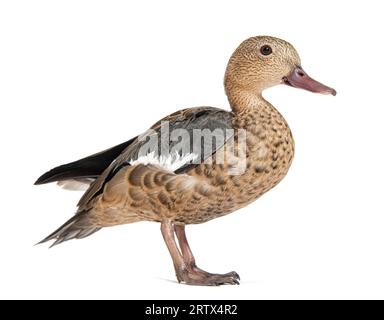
(193, 181)
(198, 193)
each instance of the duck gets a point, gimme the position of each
(196, 164)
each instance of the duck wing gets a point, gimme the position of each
(159, 146)
(84, 170)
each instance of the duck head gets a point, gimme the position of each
(262, 62)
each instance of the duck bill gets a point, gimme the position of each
(298, 78)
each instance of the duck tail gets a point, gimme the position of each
(77, 227)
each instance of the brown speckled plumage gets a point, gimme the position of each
(124, 193)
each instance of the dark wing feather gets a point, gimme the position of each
(89, 167)
(187, 119)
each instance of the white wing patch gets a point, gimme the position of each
(75, 184)
(172, 162)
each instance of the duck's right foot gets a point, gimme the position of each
(186, 270)
(200, 277)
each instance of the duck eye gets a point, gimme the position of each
(266, 50)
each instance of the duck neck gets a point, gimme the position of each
(243, 101)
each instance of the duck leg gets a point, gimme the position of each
(184, 262)
(227, 278)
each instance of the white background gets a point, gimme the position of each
(77, 77)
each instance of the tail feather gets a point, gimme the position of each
(77, 227)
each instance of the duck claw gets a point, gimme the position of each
(235, 275)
